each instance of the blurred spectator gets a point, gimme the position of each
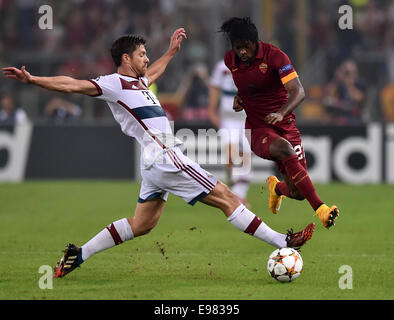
(62, 111)
(344, 96)
(9, 113)
(312, 108)
(193, 92)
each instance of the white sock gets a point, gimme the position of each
(116, 233)
(246, 221)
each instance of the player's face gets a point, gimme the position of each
(139, 61)
(245, 50)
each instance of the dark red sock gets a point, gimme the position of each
(298, 174)
(282, 189)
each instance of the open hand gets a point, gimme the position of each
(19, 74)
(176, 39)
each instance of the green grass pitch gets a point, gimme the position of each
(193, 253)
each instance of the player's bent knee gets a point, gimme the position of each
(281, 149)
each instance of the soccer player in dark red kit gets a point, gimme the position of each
(269, 90)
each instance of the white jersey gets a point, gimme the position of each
(223, 79)
(164, 168)
(139, 113)
(232, 123)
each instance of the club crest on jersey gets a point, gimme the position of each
(131, 85)
(263, 67)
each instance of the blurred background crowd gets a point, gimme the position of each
(348, 75)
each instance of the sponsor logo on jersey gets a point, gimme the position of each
(285, 68)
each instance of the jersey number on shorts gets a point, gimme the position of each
(298, 151)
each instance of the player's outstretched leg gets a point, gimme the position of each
(275, 200)
(246, 221)
(298, 239)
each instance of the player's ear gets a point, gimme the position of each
(126, 58)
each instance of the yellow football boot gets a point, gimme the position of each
(274, 201)
(327, 215)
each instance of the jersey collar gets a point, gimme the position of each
(125, 75)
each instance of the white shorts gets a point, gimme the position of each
(233, 132)
(176, 174)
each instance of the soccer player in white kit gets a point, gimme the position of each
(164, 168)
(222, 91)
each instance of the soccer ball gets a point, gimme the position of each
(285, 264)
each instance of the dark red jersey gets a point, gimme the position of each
(261, 84)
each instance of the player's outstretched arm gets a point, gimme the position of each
(158, 67)
(58, 83)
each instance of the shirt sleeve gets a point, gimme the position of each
(106, 88)
(283, 67)
(229, 59)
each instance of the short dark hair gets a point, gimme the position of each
(125, 44)
(240, 29)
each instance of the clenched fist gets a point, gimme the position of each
(238, 104)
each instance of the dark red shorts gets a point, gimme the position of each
(262, 137)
